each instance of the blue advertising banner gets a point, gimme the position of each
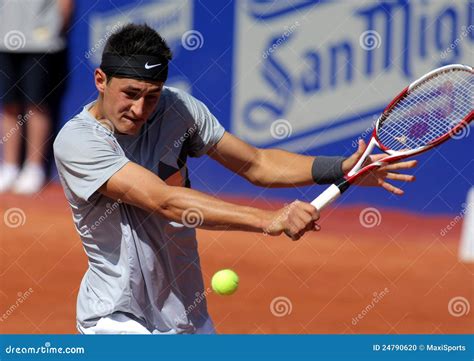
(307, 76)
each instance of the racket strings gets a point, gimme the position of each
(429, 111)
(427, 116)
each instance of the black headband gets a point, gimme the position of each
(142, 67)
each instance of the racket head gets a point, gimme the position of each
(428, 112)
(452, 105)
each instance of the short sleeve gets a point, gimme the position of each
(205, 129)
(86, 157)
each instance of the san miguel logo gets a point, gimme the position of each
(315, 72)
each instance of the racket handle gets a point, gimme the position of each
(330, 194)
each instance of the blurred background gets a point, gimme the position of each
(304, 75)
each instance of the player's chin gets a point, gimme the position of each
(130, 127)
(127, 131)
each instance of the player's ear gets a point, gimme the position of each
(100, 80)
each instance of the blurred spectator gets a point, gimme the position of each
(32, 33)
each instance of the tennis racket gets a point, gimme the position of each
(425, 114)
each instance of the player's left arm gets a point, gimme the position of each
(279, 168)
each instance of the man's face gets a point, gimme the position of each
(128, 103)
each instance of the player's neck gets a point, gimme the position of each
(96, 110)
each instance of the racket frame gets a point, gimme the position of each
(340, 186)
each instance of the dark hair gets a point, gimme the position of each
(137, 39)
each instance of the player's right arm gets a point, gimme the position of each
(135, 185)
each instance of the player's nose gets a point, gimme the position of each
(138, 108)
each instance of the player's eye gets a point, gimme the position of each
(151, 98)
(131, 95)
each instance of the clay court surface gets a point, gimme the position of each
(316, 285)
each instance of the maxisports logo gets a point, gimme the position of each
(327, 68)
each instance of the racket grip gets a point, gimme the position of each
(330, 194)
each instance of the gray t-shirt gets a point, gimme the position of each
(139, 263)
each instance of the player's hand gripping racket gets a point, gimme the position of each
(424, 115)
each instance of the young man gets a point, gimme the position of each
(128, 187)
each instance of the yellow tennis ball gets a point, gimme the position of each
(225, 282)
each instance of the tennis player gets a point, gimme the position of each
(122, 164)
